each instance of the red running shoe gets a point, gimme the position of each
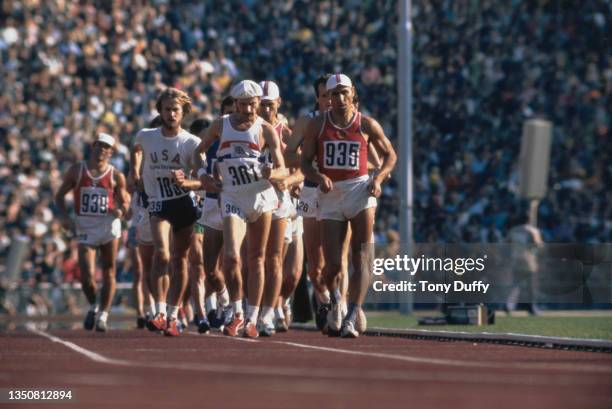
(160, 322)
(250, 330)
(233, 328)
(174, 328)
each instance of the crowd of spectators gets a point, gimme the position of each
(481, 68)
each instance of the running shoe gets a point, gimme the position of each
(141, 322)
(150, 325)
(266, 329)
(288, 314)
(348, 330)
(101, 326)
(160, 322)
(280, 325)
(235, 326)
(204, 326)
(174, 328)
(334, 317)
(250, 330)
(90, 320)
(321, 316)
(212, 319)
(224, 316)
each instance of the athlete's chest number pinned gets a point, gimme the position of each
(243, 174)
(94, 201)
(167, 187)
(341, 155)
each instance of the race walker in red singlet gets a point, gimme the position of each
(342, 155)
(94, 202)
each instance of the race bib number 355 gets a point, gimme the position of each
(341, 155)
(93, 201)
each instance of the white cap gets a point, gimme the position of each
(246, 89)
(105, 138)
(336, 80)
(270, 90)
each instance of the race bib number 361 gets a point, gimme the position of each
(341, 155)
(93, 201)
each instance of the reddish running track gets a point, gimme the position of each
(137, 369)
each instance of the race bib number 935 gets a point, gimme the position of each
(341, 155)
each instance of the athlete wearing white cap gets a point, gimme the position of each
(247, 197)
(100, 201)
(282, 217)
(339, 140)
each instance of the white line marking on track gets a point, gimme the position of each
(89, 354)
(339, 373)
(454, 362)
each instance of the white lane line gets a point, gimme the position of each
(459, 363)
(446, 362)
(336, 374)
(324, 372)
(89, 354)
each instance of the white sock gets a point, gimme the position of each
(149, 311)
(337, 296)
(279, 313)
(252, 313)
(161, 308)
(288, 303)
(267, 314)
(237, 305)
(103, 316)
(323, 297)
(173, 312)
(223, 297)
(210, 302)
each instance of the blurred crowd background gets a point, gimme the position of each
(481, 68)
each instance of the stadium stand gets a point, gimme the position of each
(481, 68)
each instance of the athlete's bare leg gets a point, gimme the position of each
(138, 281)
(180, 277)
(273, 270)
(108, 255)
(87, 260)
(244, 270)
(257, 240)
(314, 253)
(333, 232)
(213, 244)
(196, 275)
(363, 226)
(292, 266)
(160, 268)
(146, 256)
(234, 230)
(343, 280)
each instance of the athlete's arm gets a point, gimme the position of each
(309, 152)
(122, 196)
(134, 176)
(374, 162)
(376, 136)
(68, 183)
(182, 181)
(292, 151)
(272, 141)
(212, 134)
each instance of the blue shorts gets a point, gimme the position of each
(180, 213)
